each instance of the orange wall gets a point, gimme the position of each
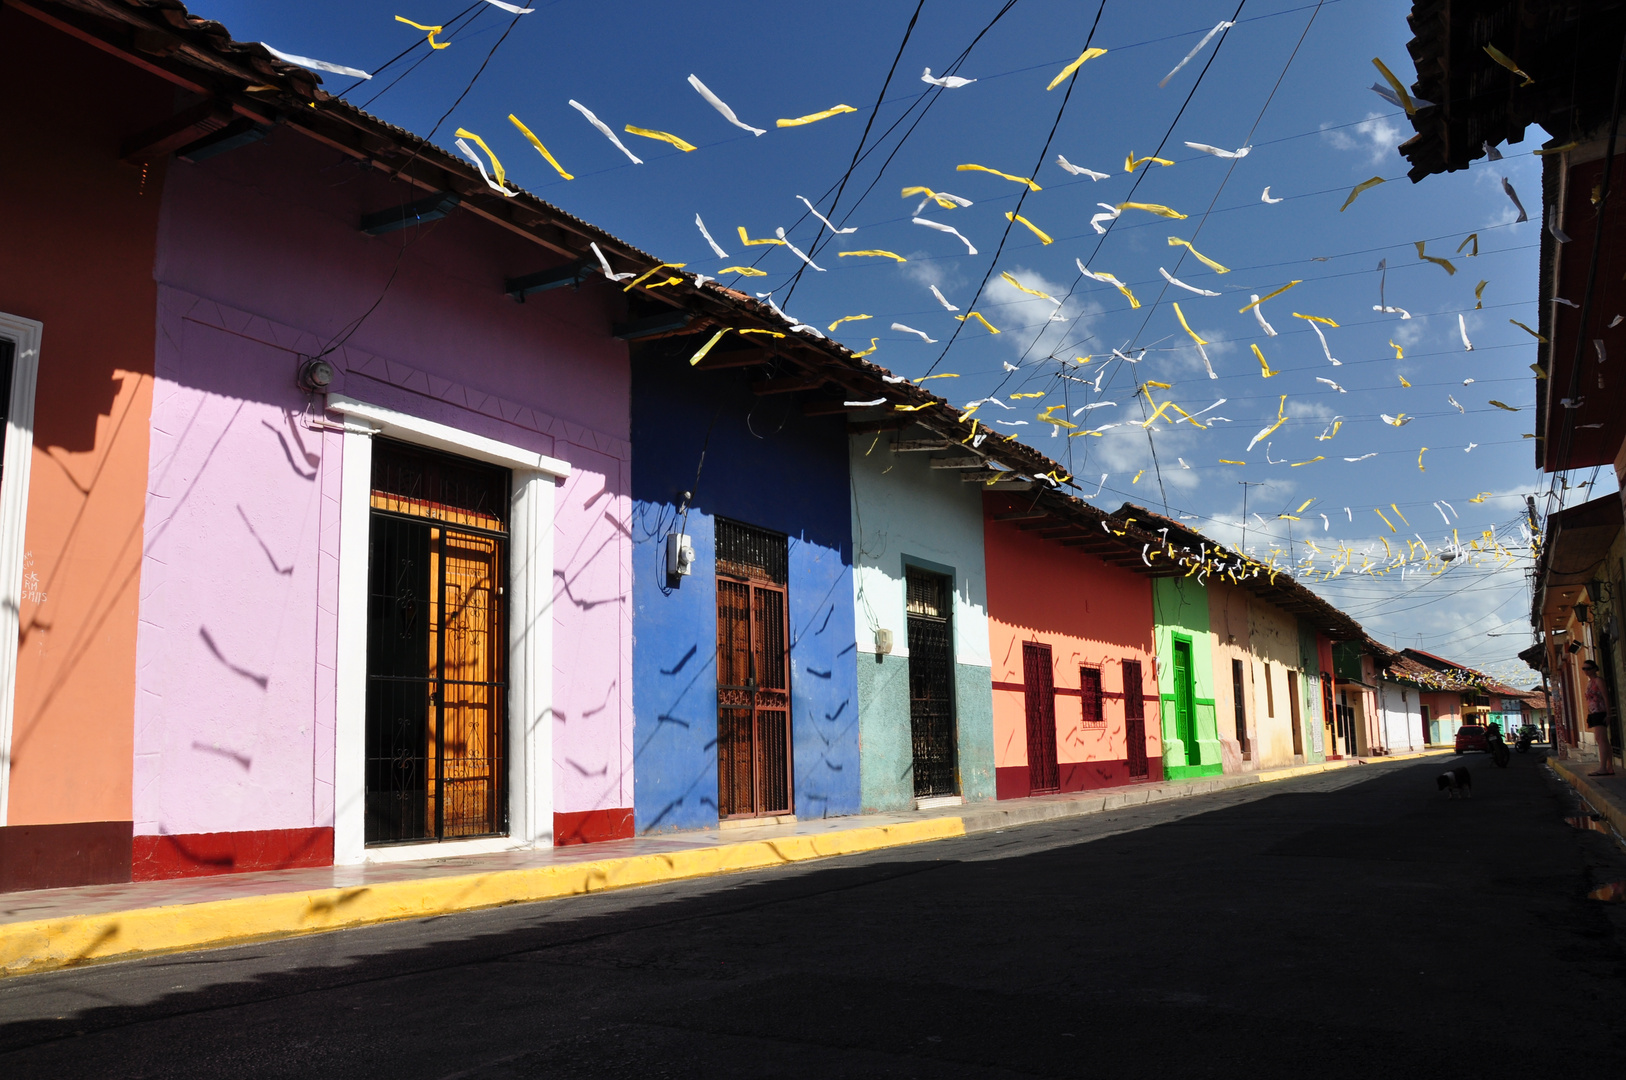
(79, 241)
(1089, 613)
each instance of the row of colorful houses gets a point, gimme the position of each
(352, 511)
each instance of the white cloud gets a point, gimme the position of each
(1375, 137)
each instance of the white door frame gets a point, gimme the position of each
(530, 649)
(24, 334)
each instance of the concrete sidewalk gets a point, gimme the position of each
(57, 928)
(1605, 794)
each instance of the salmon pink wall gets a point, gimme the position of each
(1090, 614)
(261, 260)
(78, 254)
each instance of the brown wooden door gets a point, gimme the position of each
(1044, 775)
(1135, 720)
(753, 680)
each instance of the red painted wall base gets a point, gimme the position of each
(1011, 782)
(58, 856)
(592, 826)
(158, 858)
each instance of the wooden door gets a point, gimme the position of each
(1185, 701)
(1293, 710)
(1135, 720)
(753, 675)
(1044, 774)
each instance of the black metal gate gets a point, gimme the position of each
(436, 647)
(753, 672)
(931, 682)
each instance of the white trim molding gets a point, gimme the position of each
(530, 662)
(24, 335)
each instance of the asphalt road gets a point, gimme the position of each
(1350, 924)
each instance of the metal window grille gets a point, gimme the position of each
(931, 683)
(8, 354)
(1044, 774)
(753, 673)
(1089, 689)
(436, 765)
(1135, 720)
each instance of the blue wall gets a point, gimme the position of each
(765, 465)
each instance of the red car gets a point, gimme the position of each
(1472, 737)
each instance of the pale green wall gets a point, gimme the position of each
(1180, 607)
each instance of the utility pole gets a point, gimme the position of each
(1246, 484)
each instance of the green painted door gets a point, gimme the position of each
(1185, 705)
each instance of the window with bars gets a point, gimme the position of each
(1089, 692)
(1239, 696)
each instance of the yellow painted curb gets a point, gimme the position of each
(47, 944)
(1592, 794)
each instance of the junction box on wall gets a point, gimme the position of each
(679, 555)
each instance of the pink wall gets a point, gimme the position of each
(259, 260)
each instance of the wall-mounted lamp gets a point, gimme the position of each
(315, 374)
(1581, 611)
(1595, 590)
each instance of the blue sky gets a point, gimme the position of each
(1322, 132)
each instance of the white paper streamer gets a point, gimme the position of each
(1507, 189)
(1239, 152)
(1456, 405)
(1566, 303)
(1363, 457)
(717, 103)
(911, 330)
(970, 248)
(604, 130)
(1396, 421)
(1462, 328)
(1332, 384)
(1469, 447)
(934, 196)
(1467, 382)
(1552, 225)
(1096, 405)
(1616, 321)
(1182, 462)
(1402, 312)
(316, 65)
(1098, 488)
(1126, 358)
(468, 152)
(864, 404)
(1334, 361)
(1111, 214)
(1265, 198)
(514, 8)
(605, 263)
(1008, 365)
(797, 251)
(821, 217)
(1259, 313)
(1078, 170)
(1326, 526)
(951, 82)
(1012, 423)
(721, 254)
(1597, 343)
(1206, 39)
(1491, 153)
(1172, 280)
(941, 299)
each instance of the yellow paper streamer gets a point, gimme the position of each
(1387, 522)
(536, 142)
(812, 118)
(1228, 461)
(1445, 263)
(748, 242)
(1395, 85)
(913, 408)
(1303, 505)
(1502, 405)
(877, 252)
(1480, 497)
(1264, 368)
(1046, 418)
(1420, 454)
(1086, 55)
(1527, 330)
(700, 354)
(663, 136)
(1014, 179)
(1185, 325)
(1403, 381)
(1399, 515)
(1270, 296)
(496, 166)
(1136, 480)
(1175, 241)
(1473, 238)
(1355, 191)
(1131, 162)
(770, 333)
(1031, 292)
(946, 204)
(651, 272)
(874, 343)
(1555, 149)
(1506, 61)
(1044, 238)
(945, 375)
(1400, 353)
(992, 329)
(1316, 318)
(1398, 421)
(1479, 295)
(1035, 394)
(1153, 208)
(748, 271)
(848, 318)
(433, 30)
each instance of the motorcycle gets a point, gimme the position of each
(1498, 750)
(1523, 745)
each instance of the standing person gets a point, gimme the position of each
(1597, 718)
